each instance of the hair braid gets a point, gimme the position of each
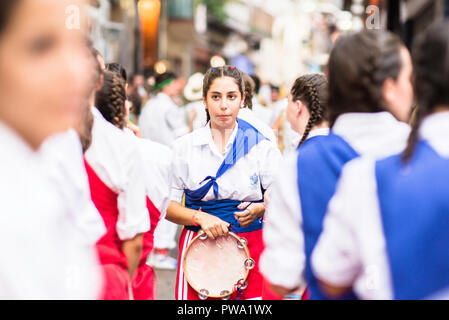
(312, 91)
(110, 99)
(315, 109)
(431, 65)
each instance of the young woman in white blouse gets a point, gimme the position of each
(217, 166)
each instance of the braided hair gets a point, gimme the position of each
(312, 91)
(249, 91)
(110, 99)
(431, 66)
(356, 83)
(221, 72)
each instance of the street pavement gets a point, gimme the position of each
(166, 279)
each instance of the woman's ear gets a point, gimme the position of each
(299, 107)
(388, 91)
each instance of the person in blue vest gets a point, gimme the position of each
(308, 116)
(222, 171)
(369, 95)
(385, 233)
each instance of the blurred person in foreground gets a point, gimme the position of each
(45, 80)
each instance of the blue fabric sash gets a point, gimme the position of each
(246, 138)
(320, 161)
(223, 209)
(414, 203)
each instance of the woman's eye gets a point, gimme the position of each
(41, 45)
(215, 97)
(231, 97)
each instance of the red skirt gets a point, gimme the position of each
(184, 291)
(116, 283)
(144, 283)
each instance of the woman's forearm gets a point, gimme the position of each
(178, 214)
(133, 250)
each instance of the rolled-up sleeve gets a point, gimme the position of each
(283, 260)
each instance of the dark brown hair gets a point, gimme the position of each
(110, 99)
(7, 8)
(220, 72)
(249, 91)
(431, 67)
(312, 91)
(84, 130)
(359, 64)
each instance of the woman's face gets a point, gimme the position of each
(223, 101)
(46, 68)
(399, 94)
(297, 115)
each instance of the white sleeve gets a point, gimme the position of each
(336, 258)
(283, 260)
(157, 165)
(133, 216)
(179, 170)
(269, 164)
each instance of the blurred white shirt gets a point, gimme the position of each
(66, 168)
(43, 253)
(162, 120)
(201, 116)
(157, 162)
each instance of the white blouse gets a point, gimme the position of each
(352, 248)
(283, 261)
(114, 156)
(42, 256)
(66, 168)
(157, 160)
(196, 157)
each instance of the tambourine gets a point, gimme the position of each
(217, 268)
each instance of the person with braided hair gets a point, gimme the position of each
(367, 96)
(307, 114)
(386, 229)
(117, 188)
(110, 100)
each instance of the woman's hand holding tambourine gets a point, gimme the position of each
(214, 227)
(251, 213)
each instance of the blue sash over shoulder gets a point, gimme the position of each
(247, 137)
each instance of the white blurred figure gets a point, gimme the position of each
(43, 238)
(194, 93)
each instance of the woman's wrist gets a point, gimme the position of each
(260, 210)
(196, 218)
